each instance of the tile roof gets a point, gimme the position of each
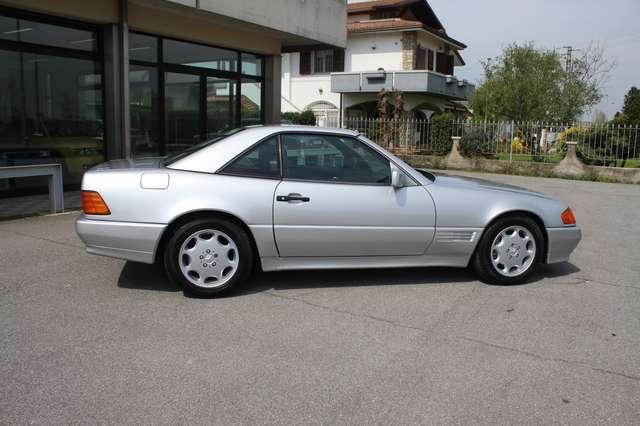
(368, 6)
(383, 24)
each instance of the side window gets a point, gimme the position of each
(333, 159)
(261, 161)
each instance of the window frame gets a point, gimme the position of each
(164, 67)
(222, 170)
(340, 136)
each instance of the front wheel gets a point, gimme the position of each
(208, 257)
(509, 251)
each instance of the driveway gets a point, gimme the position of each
(86, 339)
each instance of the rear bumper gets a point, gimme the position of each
(562, 241)
(125, 240)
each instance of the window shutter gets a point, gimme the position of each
(441, 63)
(305, 63)
(421, 58)
(430, 59)
(450, 64)
(338, 60)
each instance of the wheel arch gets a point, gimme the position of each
(533, 216)
(187, 217)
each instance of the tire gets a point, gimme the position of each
(508, 260)
(199, 252)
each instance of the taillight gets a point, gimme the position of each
(92, 203)
(567, 216)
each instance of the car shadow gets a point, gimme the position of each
(149, 277)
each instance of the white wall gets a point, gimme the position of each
(368, 52)
(299, 92)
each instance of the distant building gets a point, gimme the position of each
(391, 44)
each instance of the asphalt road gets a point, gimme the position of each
(85, 339)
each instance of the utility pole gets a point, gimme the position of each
(568, 65)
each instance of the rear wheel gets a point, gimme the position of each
(209, 256)
(509, 251)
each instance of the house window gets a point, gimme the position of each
(323, 61)
(444, 63)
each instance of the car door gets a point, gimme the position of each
(336, 199)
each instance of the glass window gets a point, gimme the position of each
(182, 111)
(144, 110)
(221, 105)
(50, 112)
(197, 55)
(261, 161)
(50, 35)
(251, 102)
(143, 48)
(251, 64)
(323, 61)
(333, 159)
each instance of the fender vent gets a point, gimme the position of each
(456, 236)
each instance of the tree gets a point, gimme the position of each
(631, 108)
(529, 84)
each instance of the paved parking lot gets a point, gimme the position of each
(87, 339)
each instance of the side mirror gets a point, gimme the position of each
(397, 177)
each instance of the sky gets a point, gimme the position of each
(486, 26)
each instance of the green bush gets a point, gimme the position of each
(307, 117)
(476, 143)
(440, 132)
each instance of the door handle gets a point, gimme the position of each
(292, 197)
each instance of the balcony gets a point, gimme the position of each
(405, 81)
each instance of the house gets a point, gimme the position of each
(86, 81)
(391, 44)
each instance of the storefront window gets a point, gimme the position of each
(51, 108)
(144, 110)
(197, 55)
(251, 102)
(143, 48)
(200, 91)
(27, 31)
(251, 64)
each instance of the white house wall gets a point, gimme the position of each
(301, 92)
(368, 52)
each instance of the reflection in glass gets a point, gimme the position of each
(143, 48)
(251, 102)
(50, 35)
(251, 64)
(143, 102)
(221, 105)
(182, 111)
(197, 55)
(50, 112)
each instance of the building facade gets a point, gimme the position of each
(391, 44)
(85, 81)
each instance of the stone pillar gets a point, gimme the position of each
(272, 89)
(454, 158)
(571, 164)
(409, 44)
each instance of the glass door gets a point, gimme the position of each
(221, 105)
(182, 111)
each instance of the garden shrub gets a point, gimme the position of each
(440, 132)
(307, 117)
(476, 143)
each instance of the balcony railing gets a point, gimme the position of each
(404, 81)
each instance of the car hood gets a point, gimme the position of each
(482, 184)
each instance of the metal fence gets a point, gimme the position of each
(597, 144)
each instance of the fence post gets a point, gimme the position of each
(571, 164)
(511, 141)
(454, 158)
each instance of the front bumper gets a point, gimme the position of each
(125, 240)
(562, 241)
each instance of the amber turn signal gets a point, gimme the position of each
(568, 217)
(92, 203)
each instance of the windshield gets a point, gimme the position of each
(175, 157)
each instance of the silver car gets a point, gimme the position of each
(296, 197)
